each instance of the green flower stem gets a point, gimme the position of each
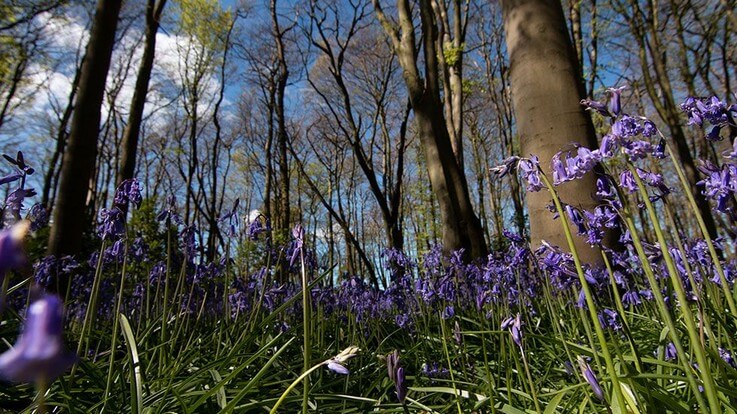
(294, 384)
(306, 319)
(693, 334)
(664, 313)
(712, 251)
(114, 338)
(587, 293)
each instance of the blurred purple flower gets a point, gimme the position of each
(39, 353)
(11, 247)
(230, 219)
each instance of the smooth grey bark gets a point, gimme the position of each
(546, 91)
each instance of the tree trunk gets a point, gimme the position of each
(132, 131)
(79, 158)
(461, 227)
(546, 90)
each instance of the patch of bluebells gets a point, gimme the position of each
(13, 205)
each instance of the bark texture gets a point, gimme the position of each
(79, 157)
(546, 91)
(132, 131)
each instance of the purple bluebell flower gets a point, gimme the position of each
(128, 192)
(727, 357)
(38, 215)
(448, 312)
(14, 201)
(631, 297)
(627, 127)
(596, 106)
(230, 220)
(189, 245)
(39, 354)
(396, 375)
(719, 184)
(649, 129)
(627, 181)
(576, 218)
(615, 100)
(530, 169)
(590, 377)
(298, 233)
(609, 145)
(609, 318)
(515, 328)
(111, 223)
(169, 214)
(434, 370)
(506, 166)
(670, 352)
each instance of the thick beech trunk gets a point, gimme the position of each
(546, 90)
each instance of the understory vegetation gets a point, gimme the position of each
(151, 327)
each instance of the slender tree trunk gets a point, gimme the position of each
(79, 158)
(546, 90)
(461, 227)
(131, 135)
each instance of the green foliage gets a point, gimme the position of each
(205, 21)
(452, 55)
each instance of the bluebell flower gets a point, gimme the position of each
(515, 328)
(609, 318)
(39, 354)
(631, 297)
(14, 201)
(719, 184)
(727, 357)
(627, 127)
(434, 370)
(230, 219)
(111, 223)
(649, 129)
(12, 255)
(128, 192)
(530, 169)
(507, 164)
(298, 234)
(597, 107)
(627, 181)
(590, 377)
(615, 100)
(169, 214)
(38, 215)
(396, 375)
(670, 352)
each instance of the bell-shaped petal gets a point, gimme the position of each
(39, 353)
